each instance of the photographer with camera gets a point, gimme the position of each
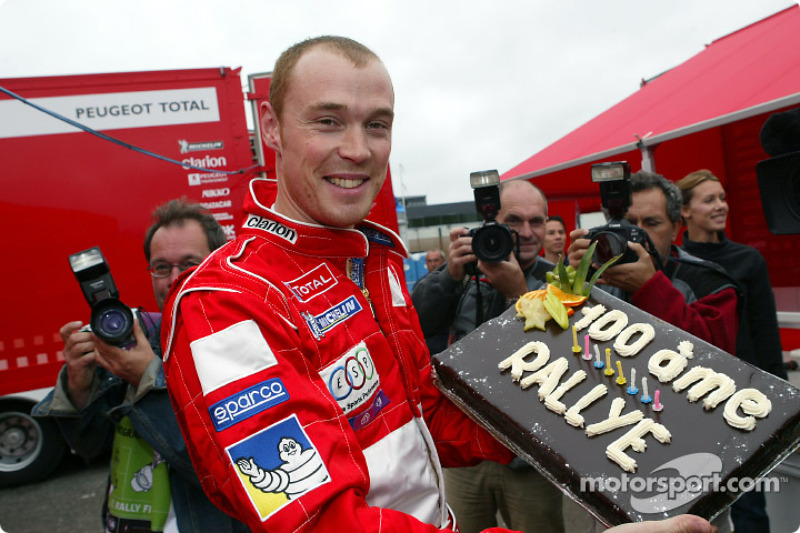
(486, 272)
(112, 393)
(653, 274)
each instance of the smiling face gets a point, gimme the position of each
(707, 211)
(332, 140)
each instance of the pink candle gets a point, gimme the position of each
(657, 406)
(587, 356)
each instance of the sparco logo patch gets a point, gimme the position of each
(334, 316)
(312, 283)
(246, 403)
(271, 226)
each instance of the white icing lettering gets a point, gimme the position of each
(614, 419)
(633, 439)
(547, 378)
(608, 326)
(552, 401)
(752, 402)
(675, 364)
(573, 416)
(517, 360)
(624, 349)
(708, 380)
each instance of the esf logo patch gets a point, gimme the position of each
(277, 465)
(352, 379)
(247, 403)
(324, 322)
(312, 283)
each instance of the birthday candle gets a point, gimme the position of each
(645, 396)
(608, 371)
(597, 362)
(621, 378)
(632, 389)
(575, 347)
(657, 405)
(587, 356)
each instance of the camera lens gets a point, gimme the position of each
(112, 321)
(492, 243)
(608, 245)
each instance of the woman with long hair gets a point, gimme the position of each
(705, 213)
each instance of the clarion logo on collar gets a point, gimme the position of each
(246, 403)
(271, 226)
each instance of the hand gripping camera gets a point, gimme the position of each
(615, 195)
(492, 242)
(111, 320)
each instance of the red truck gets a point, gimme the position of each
(86, 159)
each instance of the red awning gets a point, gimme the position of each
(749, 72)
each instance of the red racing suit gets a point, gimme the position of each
(302, 384)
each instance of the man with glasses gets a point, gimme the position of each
(450, 297)
(109, 396)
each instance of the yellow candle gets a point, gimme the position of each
(621, 378)
(608, 371)
(575, 347)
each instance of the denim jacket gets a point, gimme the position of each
(90, 432)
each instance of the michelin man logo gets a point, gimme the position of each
(278, 465)
(300, 471)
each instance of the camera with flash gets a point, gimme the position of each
(111, 320)
(492, 242)
(615, 195)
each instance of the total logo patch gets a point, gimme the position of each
(271, 226)
(312, 283)
(326, 321)
(352, 379)
(244, 404)
(277, 465)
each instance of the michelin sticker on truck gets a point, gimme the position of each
(187, 146)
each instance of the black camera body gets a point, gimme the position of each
(492, 242)
(615, 195)
(612, 240)
(111, 320)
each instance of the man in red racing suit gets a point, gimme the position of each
(294, 360)
(276, 340)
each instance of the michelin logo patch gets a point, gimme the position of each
(352, 380)
(247, 403)
(278, 465)
(271, 226)
(324, 322)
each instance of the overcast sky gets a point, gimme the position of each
(479, 85)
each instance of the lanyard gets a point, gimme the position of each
(355, 271)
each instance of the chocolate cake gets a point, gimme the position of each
(692, 473)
